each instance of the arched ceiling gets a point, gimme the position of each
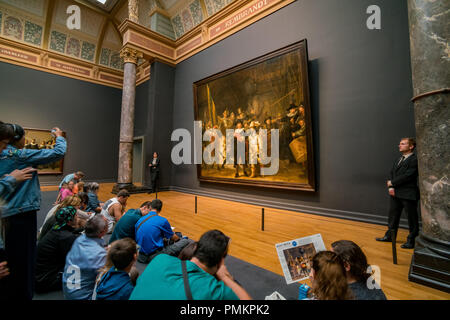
(42, 23)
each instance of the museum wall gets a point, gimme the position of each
(88, 113)
(153, 119)
(361, 88)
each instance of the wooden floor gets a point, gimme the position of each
(242, 223)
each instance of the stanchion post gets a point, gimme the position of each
(394, 247)
(262, 219)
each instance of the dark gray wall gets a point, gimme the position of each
(153, 119)
(360, 91)
(87, 112)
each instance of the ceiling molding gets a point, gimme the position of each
(226, 22)
(98, 49)
(155, 46)
(48, 22)
(117, 7)
(49, 61)
(160, 11)
(116, 24)
(204, 10)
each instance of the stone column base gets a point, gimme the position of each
(430, 265)
(131, 188)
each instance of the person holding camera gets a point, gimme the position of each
(19, 213)
(8, 183)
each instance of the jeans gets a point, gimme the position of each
(20, 245)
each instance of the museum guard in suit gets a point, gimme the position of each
(154, 170)
(404, 193)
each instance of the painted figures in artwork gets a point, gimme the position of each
(267, 95)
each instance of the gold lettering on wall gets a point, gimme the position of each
(245, 14)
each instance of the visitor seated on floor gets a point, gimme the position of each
(84, 261)
(78, 187)
(206, 275)
(76, 177)
(151, 232)
(356, 269)
(78, 202)
(66, 191)
(114, 208)
(118, 277)
(52, 250)
(82, 213)
(328, 278)
(93, 205)
(64, 186)
(125, 226)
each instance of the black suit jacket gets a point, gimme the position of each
(154, 169)
(404, 178)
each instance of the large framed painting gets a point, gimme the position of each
(43, 139)
(256, 119)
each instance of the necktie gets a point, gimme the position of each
(401, 160)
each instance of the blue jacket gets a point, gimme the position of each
(83, 262)
(93, 202)
(114, 285)
(7, 186)
(27, 195)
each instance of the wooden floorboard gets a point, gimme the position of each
(242, 223)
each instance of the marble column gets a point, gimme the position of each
(430, 61)
(124, 181)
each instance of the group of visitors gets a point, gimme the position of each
(70, 185)
(71, 253)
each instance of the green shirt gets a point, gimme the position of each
(163, 280)
(124, 228)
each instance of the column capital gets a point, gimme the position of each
(130, 55)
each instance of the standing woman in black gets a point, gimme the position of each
(154, 170)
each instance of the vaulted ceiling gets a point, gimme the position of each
(43, 24)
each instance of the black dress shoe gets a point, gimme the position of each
(407, 245)
(384, 239)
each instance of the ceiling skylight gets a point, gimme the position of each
(106, 5)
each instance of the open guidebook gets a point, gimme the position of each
(295, 256)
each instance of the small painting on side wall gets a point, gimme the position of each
(39, 139)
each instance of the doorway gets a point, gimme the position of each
(138, 160)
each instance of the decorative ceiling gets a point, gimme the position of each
(38, 34)
(42, 23)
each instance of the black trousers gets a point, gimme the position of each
(52, 283)
(154, 180)
(20, 245)
(395, 211)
